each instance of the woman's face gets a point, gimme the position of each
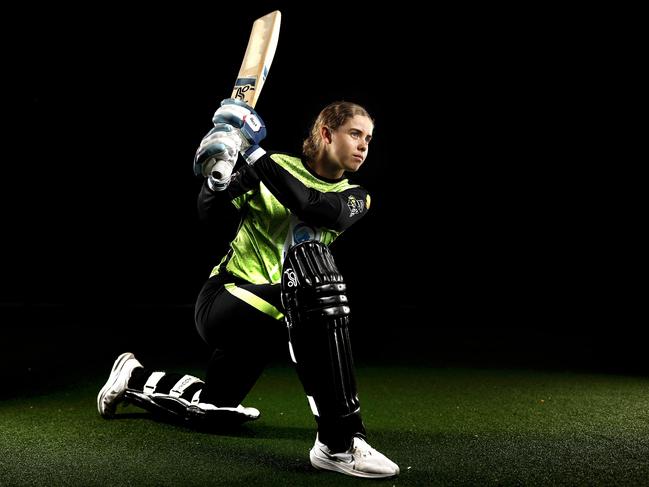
(348, 145)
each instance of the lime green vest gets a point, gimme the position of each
(269, 229)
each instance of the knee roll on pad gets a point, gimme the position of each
(317, 314)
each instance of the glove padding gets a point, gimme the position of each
(217, 154)
(251, 127)
(237, 128)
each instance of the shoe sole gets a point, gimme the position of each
(114, 374)
(345, 468)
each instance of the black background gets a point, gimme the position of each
(488, 238)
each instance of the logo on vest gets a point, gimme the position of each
(303, 233)
(355, 206)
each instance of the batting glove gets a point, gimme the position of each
(251, 127)
(217, 155)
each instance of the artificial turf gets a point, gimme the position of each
(443, 426)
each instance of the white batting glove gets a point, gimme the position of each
(217, 155)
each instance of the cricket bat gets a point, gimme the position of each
(258, 58)
(253, 72)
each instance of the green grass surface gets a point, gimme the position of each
(442, 426)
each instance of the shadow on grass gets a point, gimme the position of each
(252, 429)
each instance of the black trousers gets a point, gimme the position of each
(243, 324)
(240, 322)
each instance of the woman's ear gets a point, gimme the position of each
(325, 134)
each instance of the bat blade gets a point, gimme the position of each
(258, 58)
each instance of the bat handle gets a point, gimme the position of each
(221, 170)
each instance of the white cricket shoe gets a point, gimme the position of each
(361, 460)
(113, 391)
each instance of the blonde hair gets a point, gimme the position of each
(333, 116)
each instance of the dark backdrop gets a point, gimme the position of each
(486, 237)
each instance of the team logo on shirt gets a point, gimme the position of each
(355, 206)
(302, 233)
(299, 232)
